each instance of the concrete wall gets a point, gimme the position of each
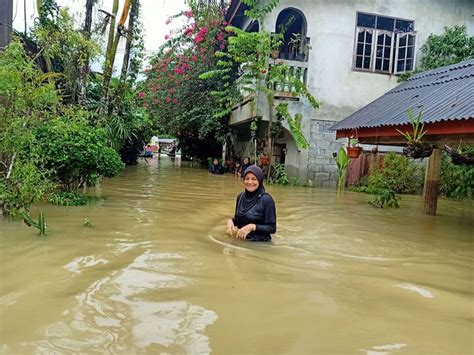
(342, 91)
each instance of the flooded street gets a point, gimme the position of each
(155, 273)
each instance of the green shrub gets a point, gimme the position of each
(26, 185)
(398, 174)
(64, 198)
(75, 152)
(457, 181)
(385, 197)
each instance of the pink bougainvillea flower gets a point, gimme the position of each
(201, 36)
(168, 99)
(141, 95)
(167, 37)
(188, 14)
(168, 21)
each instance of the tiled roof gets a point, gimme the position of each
(444, 94)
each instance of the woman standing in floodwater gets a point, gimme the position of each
(255, 213)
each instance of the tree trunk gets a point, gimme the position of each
(109, 58)
(126, 56)
(87, 31)
(269, 136)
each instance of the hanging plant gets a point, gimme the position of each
(460, 156)
(353, 150)
(415, 147)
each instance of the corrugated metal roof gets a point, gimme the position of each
(444, 94)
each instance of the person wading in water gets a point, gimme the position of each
(255, 213)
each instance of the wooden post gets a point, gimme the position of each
(431, 186)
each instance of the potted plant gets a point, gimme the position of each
(294, 44)
(415, 147)
(353, 150)
(304, 54)
(264, 159)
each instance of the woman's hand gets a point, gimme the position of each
(244, 231)
(230, 228)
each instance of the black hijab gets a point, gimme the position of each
(249, 199)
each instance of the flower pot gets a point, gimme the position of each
(418, 150)
(353, 152)
(300, 57)
(264, 160)
(275, 54)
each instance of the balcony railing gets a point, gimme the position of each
(296, 70)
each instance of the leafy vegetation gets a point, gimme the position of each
(248, 56)
(457, 181)
(452, 46)
(40, 224)
(397, 174)
(280, 177)
(55, 135)
(385, 197)
(342, 161)
(65, 198)
(174, 93)
(418, 128)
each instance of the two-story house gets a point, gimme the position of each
(348, 53)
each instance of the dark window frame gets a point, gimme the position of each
(378, 63)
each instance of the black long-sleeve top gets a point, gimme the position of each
(216, 169)
(262, 214)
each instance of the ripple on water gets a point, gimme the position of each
(116, 307)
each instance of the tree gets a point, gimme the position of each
(174, 94)
(452, 46)
(249, 53)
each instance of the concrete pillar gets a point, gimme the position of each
(431, 186)
(6, 15)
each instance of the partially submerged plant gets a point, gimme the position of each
(342, 161)
(386, 197)
(40, 224)
(87, 223)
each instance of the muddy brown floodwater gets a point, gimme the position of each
(155, 273)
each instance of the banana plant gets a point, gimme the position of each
(40, 224)
(342, 161)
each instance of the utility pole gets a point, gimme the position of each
(6, 15)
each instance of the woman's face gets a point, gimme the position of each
(251, 182)
(246, 161)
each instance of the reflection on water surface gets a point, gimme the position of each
(156, 275)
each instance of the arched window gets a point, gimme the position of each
(292, 24)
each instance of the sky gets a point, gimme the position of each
(154, 15)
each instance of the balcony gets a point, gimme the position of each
(296, 69)
(251, 107)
